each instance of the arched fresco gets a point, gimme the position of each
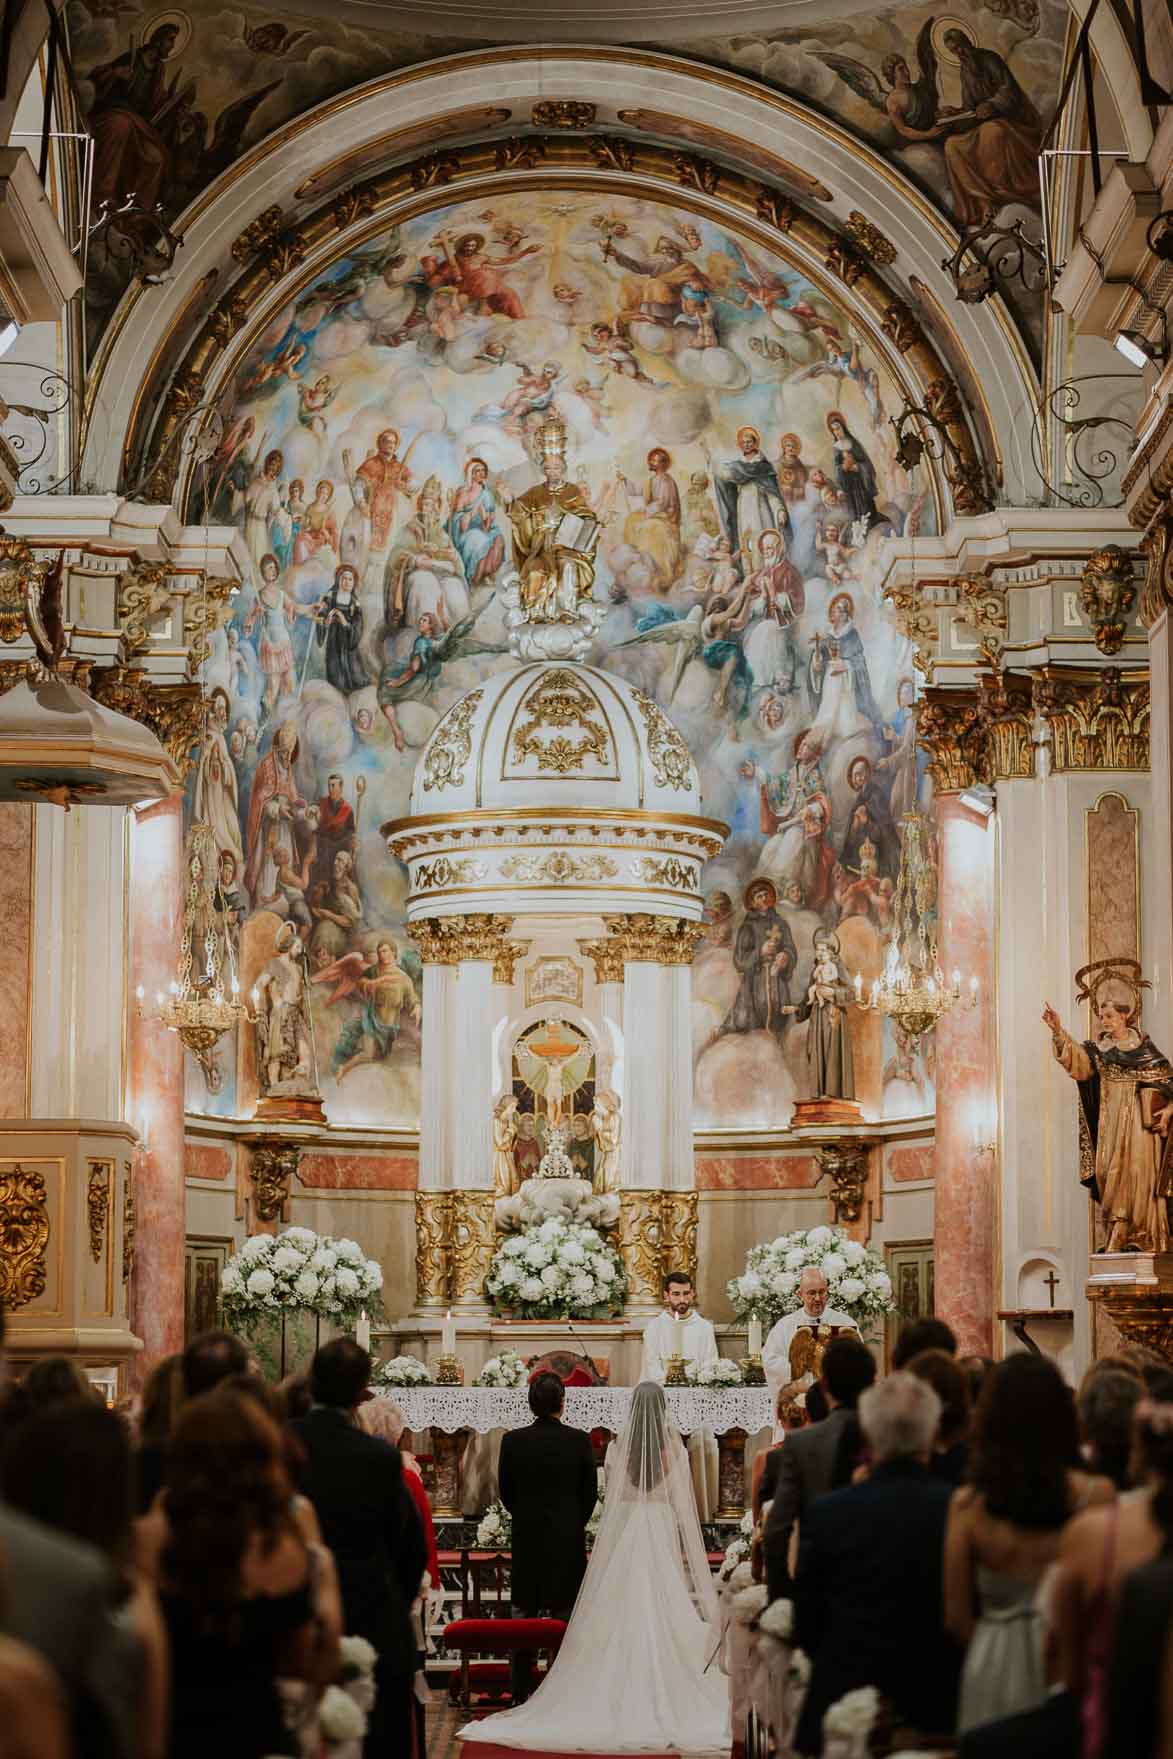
(731, 429)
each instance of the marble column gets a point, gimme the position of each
(472, 1090)
(965, 1201)
(155, 1088)
(656, 1146)
(438, 1011)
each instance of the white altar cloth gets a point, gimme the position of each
(485, 1408)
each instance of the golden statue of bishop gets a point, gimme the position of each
(555, 532)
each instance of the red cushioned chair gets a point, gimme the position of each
(497, 1637)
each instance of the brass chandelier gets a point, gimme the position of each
(913, 991)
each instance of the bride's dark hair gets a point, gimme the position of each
(646, 1462)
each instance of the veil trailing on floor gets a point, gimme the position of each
(636, 1671)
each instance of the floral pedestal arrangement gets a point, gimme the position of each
(557, 1270)
(857, 1283)
(279, 1289)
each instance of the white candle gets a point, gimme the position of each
(755, 1335)
(448, 1335)
(362, 1332)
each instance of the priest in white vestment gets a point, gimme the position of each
(814, 1312)
(681, 1330)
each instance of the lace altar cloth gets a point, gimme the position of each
(484, 1408)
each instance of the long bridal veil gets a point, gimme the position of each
(635, 1672)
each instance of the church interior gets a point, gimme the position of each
(576, 710)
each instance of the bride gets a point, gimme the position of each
(633, 1674)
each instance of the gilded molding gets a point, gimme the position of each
(868, 239)
(98, 1205)
(450, 940)
(350, 205)
(670, 757)
(272, 1166)
(156, 416)
(681, 876)
(559, 868)
(471, 1241)
(450, 747)
(984, 611)
(1157, 549)
(142, 594)
(563, 113)
(438, 875)
(521, 153)
(558, 700)
(951, 728)
(174, 712)
(653, 940)
(918, 626)
(129, 1228)
(206, 609)
(606, 957)
(846, 1165)
(24, 1236)
(506, 957)
(228, 318)
(901, 326)
(1096, 721)
(657, 1233)
(1107, 593)
(693, 172)
(433, 1231)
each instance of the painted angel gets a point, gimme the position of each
(773, 292)
(413, 678)
(912, 106)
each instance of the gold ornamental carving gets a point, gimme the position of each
(776, 209)
(506, 957)
(471, 1242)
(846, 1165)
(272, 1166)
(173, 712)
(844, 262)
(438, 875)
(983, 610)
(670, 757)
(98, 1205)
(1157, 549)
(693, 172)
(654, 940)
(450, 746)
(1007, 707)
(560, 701)
(129, 1228)
(901, 326)
(1095, 722)
(433, 1232)
(612, 153)
(433, 170)
(657, 1233)
(559, 868)
(207, 609)
(24, 1235)
(606, 957)
(273, 241)
(918, 626)
(1107, 594)
(868, 239)
(228, 319)
(450, 940)
(563, 113)
(350, 205)
(1143, 1315)
(679, 1221)
(521, 153)
(142, 594)
(679, 876)
(951, 728)
(19, 570)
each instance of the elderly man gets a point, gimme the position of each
(813, 1314)
(868, 1606)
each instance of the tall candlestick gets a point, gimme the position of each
(448, 1335)
(362, 1331)
(755, 1335)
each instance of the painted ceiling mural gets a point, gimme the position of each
(958, 101)
(730, 428)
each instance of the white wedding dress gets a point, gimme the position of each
(635, 1673)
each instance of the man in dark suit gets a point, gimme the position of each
(807, 1459)
(548, 1483)
(868, 1593)
(210, 1358)
(368, 1520)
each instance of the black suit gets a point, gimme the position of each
(549, 1485)
(805, 1469)
(868, 1600)
(369, 1522)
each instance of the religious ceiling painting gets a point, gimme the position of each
(730, 428)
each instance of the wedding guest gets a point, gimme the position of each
(32, 1706)
(548, 1482)
(1107, 1409)
(978, 1370)
(808, 1460)
(382, 1417)
(237, 1584)
(868, 1587)
(162, 1397)
(1140, 1685)
(296, 1395)
(1099, 1550)
(920, 1335)
(69, 1467)
(1005, 1529)
(355, 1482)
(54, 1381)
(210, 1358)
(950, 1382)
(789, 1416)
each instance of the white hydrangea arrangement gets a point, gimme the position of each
(848, 1724)
(857, 1282)
(299, 1271)
(737, 1552)
(723, 1372)
(402, 1371)
(495, 1528)
(507, 1369)
(341, 1723)
(558, 1270)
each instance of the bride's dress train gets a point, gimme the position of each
(635, 1673)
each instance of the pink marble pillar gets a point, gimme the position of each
(965, 1210)
(154, 1099)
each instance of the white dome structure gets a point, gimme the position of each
(555, 787)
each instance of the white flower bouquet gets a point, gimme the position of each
(848, 1724)
(857, 1282)
(723, 1372)
(558, 1270)
(341, 1722)
(750, 1603)
(402, 1371)
(507, 1369)
(495, 1528)
(737, 1552)
(299, 1271)
(778, 1620)
(357, 1678)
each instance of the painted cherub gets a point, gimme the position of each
(313, 402)
(837, 553)
(609, 345)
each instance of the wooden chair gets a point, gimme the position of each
(501, 1639)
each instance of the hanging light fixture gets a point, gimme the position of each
(913, 991)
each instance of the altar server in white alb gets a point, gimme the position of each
(681, 1331)
(814, 1313)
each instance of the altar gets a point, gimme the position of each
(455, 1413)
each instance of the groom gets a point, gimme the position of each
(548, 1482)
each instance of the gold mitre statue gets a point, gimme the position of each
(555, 532)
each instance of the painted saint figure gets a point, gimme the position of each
(472, 525)
(765, 955)
(856, 475)
(272, 610)
(505, 1181)
(828, 1043)
(555, 574)
(653, 525)
(285, 1045)
(748, 497)
(1125, 1109)
(340, 625)
(387, 991)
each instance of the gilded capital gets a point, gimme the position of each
(654, 940)
(450, 940)
(506, 958)
(951, 728)
(606, 957)
(1096, 721)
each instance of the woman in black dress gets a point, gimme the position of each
(854, 472)
(340, 626)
